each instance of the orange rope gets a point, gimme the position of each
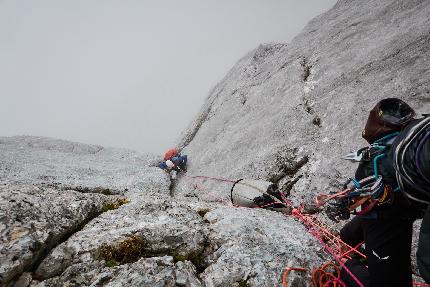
(287, 271)
(320, 276)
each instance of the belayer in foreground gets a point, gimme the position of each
(391, 189)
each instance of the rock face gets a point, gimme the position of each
(79, 215)
(82, 215)
(290, 111)
(50, 189)
(34, 219)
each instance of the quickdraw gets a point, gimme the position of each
(367, 193)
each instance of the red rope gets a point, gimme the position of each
(287, 271)
(421, 284)
(297, 214)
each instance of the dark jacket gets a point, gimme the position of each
(423, 254)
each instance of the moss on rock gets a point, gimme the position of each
(129, 250)
(114, 204)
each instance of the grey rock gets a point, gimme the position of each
(164, 227)
(50, 188)
(24, 280)
(284, 113)
(33, 220)
(259, 121)
(254, 246)
(161, 271)
(65, 165)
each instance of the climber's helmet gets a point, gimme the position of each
(388, 116)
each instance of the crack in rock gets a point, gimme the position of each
(108, 205)
(40, 222)
(289, 168)
(306, 69)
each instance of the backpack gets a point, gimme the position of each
(170, 153)
(410, 157)
(411, 160)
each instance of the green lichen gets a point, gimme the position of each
(127, 251)
(111, 263)
(114, 204)
(197, 258)
(178, 257)
(243, 283)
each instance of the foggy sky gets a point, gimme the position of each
(127, 73)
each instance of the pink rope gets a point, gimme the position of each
(302, 218)
(213, 178)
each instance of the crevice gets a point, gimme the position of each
(56, 240)
(172, 186)
(99, 190)
(287, 176)
(134, 247)
(316, 121)
(244, 283)
(306, 69)
(83, 189)
(289, 169)
(308, 108)
(243, 99)
(197, 257)
(202, 212)
(288, 186)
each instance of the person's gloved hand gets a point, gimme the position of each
(337, 209)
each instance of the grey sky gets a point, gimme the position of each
(127, 73)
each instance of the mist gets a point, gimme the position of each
(127, 73)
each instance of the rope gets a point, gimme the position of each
(287, 271)
(211, 194)
(320, 277)
(301, 217)
(420, 284)
(212, 178)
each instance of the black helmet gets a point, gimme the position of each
(389, 115)
(395, 112)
